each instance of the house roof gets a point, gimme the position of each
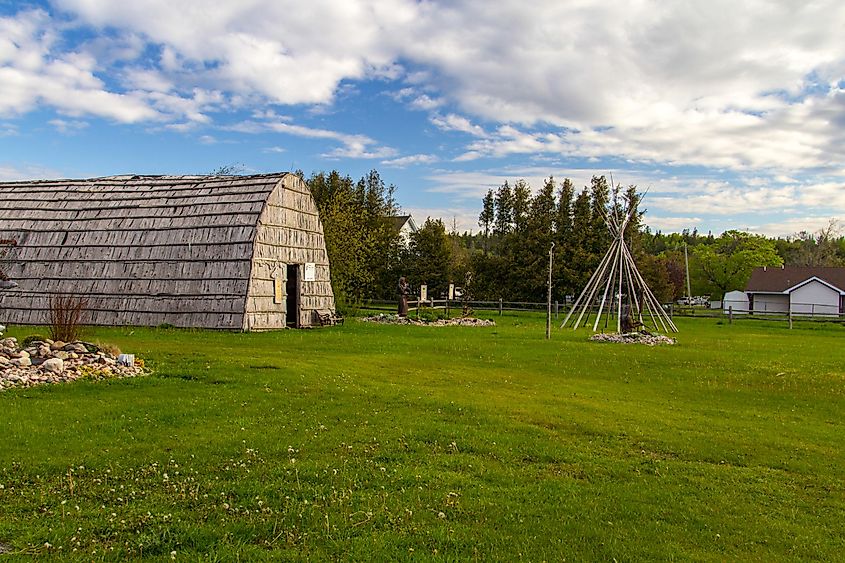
(399, 221)
(780, 279)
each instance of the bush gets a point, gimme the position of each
(429, 315)
(66, 317)
(26, 342)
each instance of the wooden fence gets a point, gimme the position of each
(798, 311)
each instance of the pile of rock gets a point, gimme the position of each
(397, 320)
(46, 361)
(633, 338)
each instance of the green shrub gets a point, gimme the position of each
(429, 314)
(26, 342)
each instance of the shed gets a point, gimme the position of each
(736, 302)
(224, 252)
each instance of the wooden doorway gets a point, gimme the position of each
(292, 292)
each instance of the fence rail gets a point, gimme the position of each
(500, 305)
(761, 311)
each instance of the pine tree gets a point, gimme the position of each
(563, 276)
(504, 210)
(486, 218)
(521, 204)
(581, 237)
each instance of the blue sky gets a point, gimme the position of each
(732, 114)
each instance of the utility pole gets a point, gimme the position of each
(686, 262)
(549, 300)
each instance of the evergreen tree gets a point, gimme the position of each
(363, 248)
(521, 204)
(599, 234)
(486, 218)
(430, 257)
(563, 272)
(504, 210)
(581, 247)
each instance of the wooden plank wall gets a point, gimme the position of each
(141, 250)
(289, 232)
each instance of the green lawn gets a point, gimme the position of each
(390, 442)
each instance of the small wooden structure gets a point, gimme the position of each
(227, 252)
(617, 289)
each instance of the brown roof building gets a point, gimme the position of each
(800, 289)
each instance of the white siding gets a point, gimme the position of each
(770, 303)
(737, 300)
(815, 298)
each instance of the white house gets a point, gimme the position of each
(405, 226)
(803, 290)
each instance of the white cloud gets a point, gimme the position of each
(409, 160)
(426, 103)
(453, 122)
(30, 73)
(790, 226)
(353, 146)
(16, 172)
(460, 218)
(724, 84)
(672, 224)
(68, 126)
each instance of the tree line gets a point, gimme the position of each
(508, 256)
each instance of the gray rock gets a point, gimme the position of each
(21, 362)
(77, 347)
(53, 365)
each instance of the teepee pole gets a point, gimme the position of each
(619, 293)
(651, 301)
(594, 280)
(607, 287)
(661, 313)
(617, 274)
(632, 287)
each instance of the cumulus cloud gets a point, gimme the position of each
(352, 145)
(30, 73)
(409, 160)
(725, 84)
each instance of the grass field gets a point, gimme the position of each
(371, 442)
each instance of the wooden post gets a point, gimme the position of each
(557, 309)
(671, 310)
(790, 316)
(730, 314)
(500, 306)
(549, 300)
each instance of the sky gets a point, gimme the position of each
(730, 114)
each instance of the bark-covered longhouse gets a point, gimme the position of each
(228, 252)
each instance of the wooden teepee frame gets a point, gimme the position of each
(620, 279)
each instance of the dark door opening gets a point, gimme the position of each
(292, 292)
